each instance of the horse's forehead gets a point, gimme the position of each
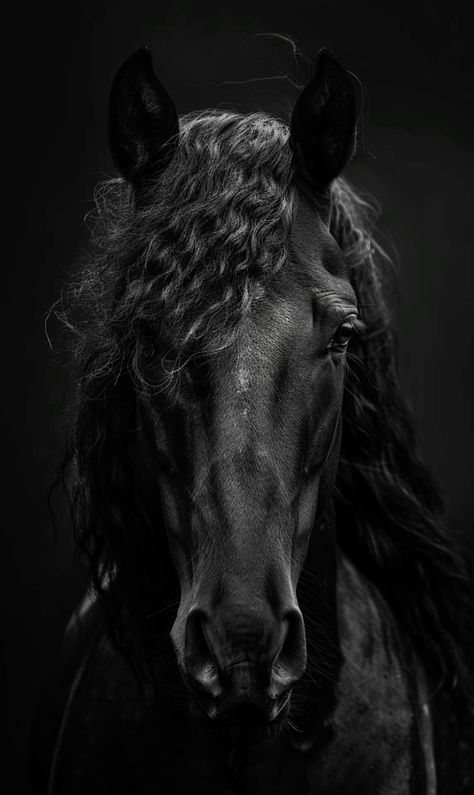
(274, 341)
(279, 334)
(270, 350)
(279, 330)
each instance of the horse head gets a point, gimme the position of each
(249, 336)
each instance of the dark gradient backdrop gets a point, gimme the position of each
(416, 60)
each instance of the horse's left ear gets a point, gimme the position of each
(323, 124)
(143, 122)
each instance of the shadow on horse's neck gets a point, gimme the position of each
(314, 697)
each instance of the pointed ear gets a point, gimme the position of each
(143, 123)
(323, 124)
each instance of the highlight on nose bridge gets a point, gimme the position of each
(243, 487)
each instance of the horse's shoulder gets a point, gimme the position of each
(376, 722)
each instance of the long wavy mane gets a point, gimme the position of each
(172, 278)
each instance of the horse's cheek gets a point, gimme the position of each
(175, 521)
(326, 393)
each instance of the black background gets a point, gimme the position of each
(416, 61)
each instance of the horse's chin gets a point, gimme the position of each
(265, 717)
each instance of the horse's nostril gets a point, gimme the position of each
(290, 662)
(199, 659)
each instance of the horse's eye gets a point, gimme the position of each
(166, 466)
(342, 337)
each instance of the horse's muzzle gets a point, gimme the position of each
(240, 670)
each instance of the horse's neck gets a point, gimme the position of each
(367, 629)
(380, 740)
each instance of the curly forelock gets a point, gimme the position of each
(191, 257)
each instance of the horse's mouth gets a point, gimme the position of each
(240, 714)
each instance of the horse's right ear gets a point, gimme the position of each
(143, 123)
(323, 124)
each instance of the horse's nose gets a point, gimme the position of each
(244, 664)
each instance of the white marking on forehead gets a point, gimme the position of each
(243, 372)
(245, 354)
(243, 383)
(243, 378)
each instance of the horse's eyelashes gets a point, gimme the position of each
(344, 334)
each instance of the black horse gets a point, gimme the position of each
(275, 604)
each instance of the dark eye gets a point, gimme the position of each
(166, 466)
(342, 337)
